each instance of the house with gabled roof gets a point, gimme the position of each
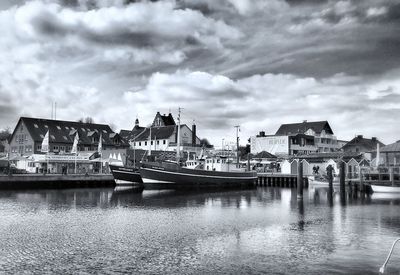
(324, 138)
(162, 135)
(29, 133)
(296, 139)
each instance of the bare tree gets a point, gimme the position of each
(87, 120)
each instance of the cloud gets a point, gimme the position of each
(254, 63)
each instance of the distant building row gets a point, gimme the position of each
(308, 138)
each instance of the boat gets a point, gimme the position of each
(215, 171)
(170, 174)
(319, 180)
(124, 175)
(380, 188)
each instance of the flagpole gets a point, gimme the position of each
(76, 154)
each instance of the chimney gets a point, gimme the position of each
(374, 139)
(360, 136)
(304, 121)
(262, 134)
(194, 134)
(137, 122)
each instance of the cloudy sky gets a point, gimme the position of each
(252, 63)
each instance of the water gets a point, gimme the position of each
(259, 231)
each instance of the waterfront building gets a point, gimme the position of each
(359, 144)
(27, 137)
(282, 145)
(390, 154)
(324, 138)
(296, 139)
(161, 135)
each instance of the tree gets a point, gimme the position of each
(204, 142)
(87, 120)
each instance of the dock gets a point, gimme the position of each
(279, 180)
(55, 181)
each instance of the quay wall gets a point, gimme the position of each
(55, 181)
(279, 180)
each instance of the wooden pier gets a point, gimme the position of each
(55, 181)
(279, 180)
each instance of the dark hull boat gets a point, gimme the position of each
(171, 174)
(126, 175)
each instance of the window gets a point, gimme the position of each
(53, 137)
(22, 127)
(145, 143)
(36, 126)
(164, 141)
(46, 126)
(65, 138)
(104, 131)
(58, 127)
(39, 147)
(151, 142)
(68, 149)
(140, 144)
(62, 148)
(66, 128)
(83, 129)
(158, 142)
(28, 148)
(42, 136)
(55, 148)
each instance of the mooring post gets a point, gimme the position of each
(342, 180)
(391, 175)
(299, 180)
(362, 185)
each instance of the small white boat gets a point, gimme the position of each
(321, 181)
(385, 188)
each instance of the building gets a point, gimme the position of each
(282, 145)
(359, 144)
(324, 138)
(27, 137)
(162, 135)
(390, 154)
(296, 139)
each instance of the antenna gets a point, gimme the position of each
(52, 110)
(55, 110)
(237, 144)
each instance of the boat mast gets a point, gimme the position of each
(237, 144)
(178, 138)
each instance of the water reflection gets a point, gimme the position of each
(206, 231)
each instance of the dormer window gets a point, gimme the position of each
(36, 126)
(58, 127)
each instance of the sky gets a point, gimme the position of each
(253, 63)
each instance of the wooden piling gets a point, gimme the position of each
(342, 180)
(300, 180)
(391, 175)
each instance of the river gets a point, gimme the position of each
(256, 231)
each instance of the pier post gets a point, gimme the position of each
(362, 185)
(391, 175)
(299, 180)
(342, 181)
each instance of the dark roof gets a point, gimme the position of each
(264, 155)
(368, 144)
(64, 131)
(394, 147)
(163, 132)
(168, 119)
(295, 128)
(132, 134)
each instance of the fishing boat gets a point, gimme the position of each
(201, 172)
(382, 188)
(170, 173)
(124, 175)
